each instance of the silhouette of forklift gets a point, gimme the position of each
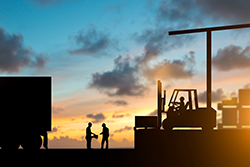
(189, 115)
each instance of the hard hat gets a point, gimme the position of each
(89, 123)
(103, 124)
(182, 98)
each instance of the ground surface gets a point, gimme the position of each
(177, 148)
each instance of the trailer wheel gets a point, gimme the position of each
(31, 142)
(10, 143)
(167, 125)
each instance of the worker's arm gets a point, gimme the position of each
(176, 103)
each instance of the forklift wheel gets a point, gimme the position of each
(167, 125)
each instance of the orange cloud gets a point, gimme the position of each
(67, 142)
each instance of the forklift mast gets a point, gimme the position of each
(160, 103)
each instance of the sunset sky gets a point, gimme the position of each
(105, 57)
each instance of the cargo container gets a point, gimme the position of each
(25, 111)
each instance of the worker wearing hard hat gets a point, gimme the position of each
(105, 135)
(89, 135)
(182, 106)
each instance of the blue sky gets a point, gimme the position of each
(106, 56)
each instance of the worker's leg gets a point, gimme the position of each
(102, 143)
(107, 143)
(45, 140)
(89, 143)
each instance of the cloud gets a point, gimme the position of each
(123, 144)
(49, 2)
(122, 80)
(116, 7)
(175, 11)
(158, 41)
(117, 102)
(57, 110)
(120, 115)
(127, 74)
(231, 58)
(202, 12)
(14, 56)
(190, 61)
(54, 129)
(126, 128)
(92, 42)
(217, 96)
(218, 118)
(233, 94)
(67, 142)
(227, 10)
(153, 113)
(96, 118)
(130, 77)
(247, 86)
(166, 70)
(111, 121)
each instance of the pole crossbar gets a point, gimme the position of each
(209, 29)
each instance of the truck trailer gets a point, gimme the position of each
(25, 111)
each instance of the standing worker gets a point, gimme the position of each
(105, 135)
(89, 136)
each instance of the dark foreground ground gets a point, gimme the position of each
(177, 148)
(222, 148)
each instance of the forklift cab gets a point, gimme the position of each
(192, 116)
(190, 96)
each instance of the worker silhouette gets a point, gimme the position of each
(89, 135)
(182, 107)
(105, 135)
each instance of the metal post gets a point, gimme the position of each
(209, 69)
(159, 104)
